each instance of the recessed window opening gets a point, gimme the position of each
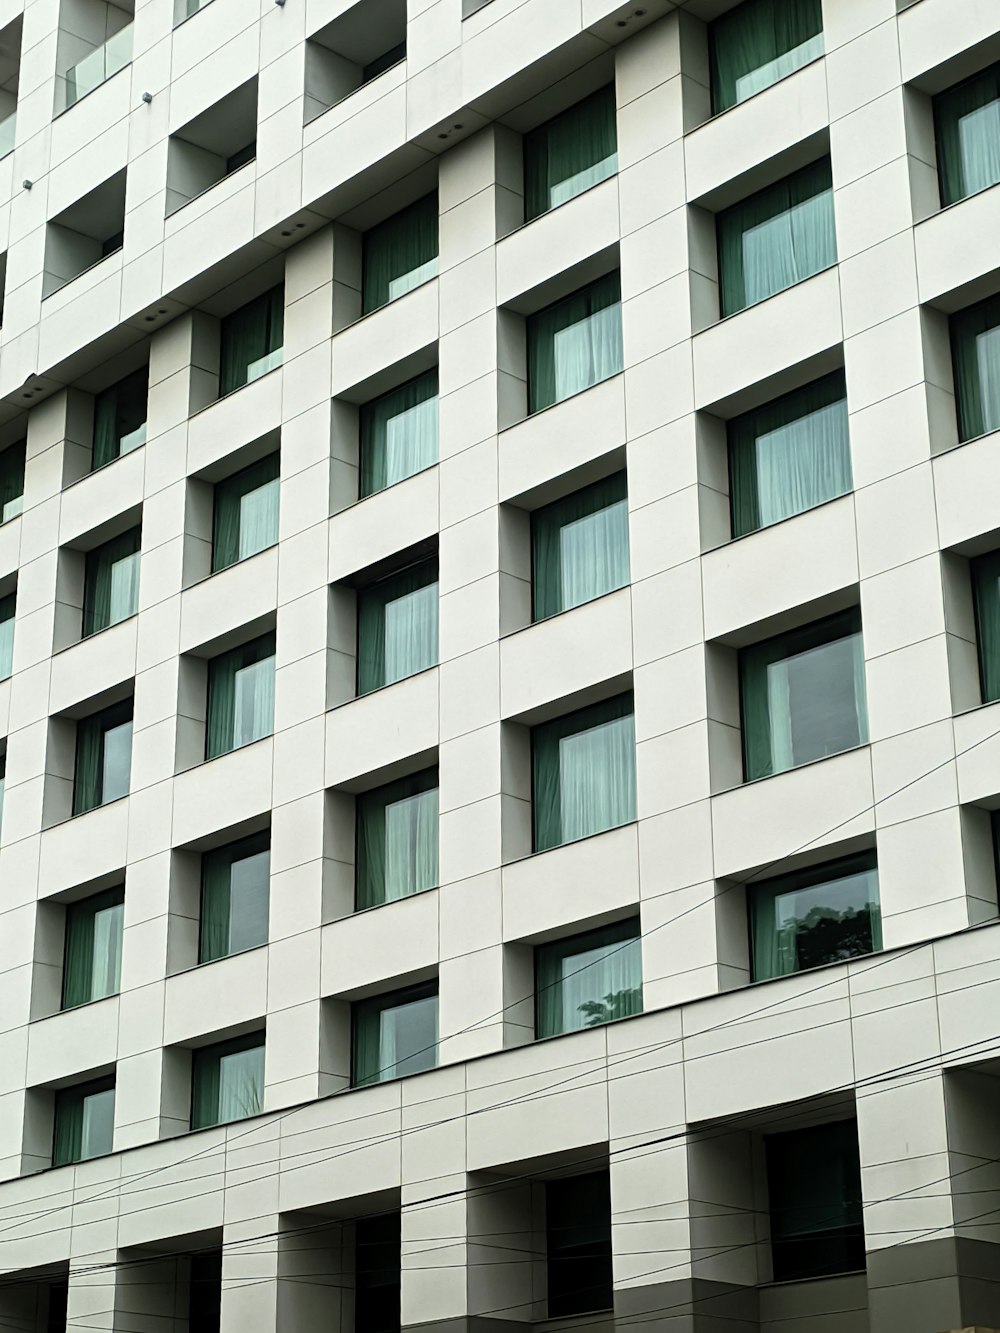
(588, 979)
(235, 889)
(12, 481)
(575, 343)
(398, 626)
(92, 961)
(227, 1081)
(580, 547)
(111, 582)
(759, 43)
(103, 757)
(814, 1193)
(399, 433)
(394, 1035)
(975, 350)
(251, 341)
(120, 413)
(94, 43)
(85, 233)
(397, 840)
(570, 153)
(240, 697)
(400, 254)
(214, 145)
(84, 1122)
(245, 513)
(10, 70)
(967, 131)
(366, 41)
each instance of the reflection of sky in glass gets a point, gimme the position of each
(248, 891)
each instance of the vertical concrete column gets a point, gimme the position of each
(250, 1252)
(478, 186)
(295, 1070)
(661, 289)
(899, 395)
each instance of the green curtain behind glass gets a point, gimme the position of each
(588, 980)
(234, 904)
(245, 517)
(224, 686)
(11, 481)
(986, 596)
(975, 348)
(397, 840)
(822, 915)
(255, 331)
(760, 42)
(89, 770)
(399, 433)
(92, 953)
(967, 125)
(68, 1127)
(227, 1081)
(570, 153)
(790, 719)
(583, 768)
(580, 547)
(111, 583)
(789, 455)
(84, 1122)
(777, 237)
(398, 626)
(8, 607)
(575, 343)
(120, 417)
(400, 253)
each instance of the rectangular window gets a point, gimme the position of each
(58, 1293)
(986, 600)
(400, 254)
(103, 757)
(377, 1265)
(383, 62)
(583, 770)
(3, 782)
(802, 695)
(394, 1035)
(227, 1081)
(570, 153)
(398, 626)
(120, 418)
(575, 343)
(588, 980)
(205, 1293)
(8, 607)
(399, 434)
(814, 1193)
(397, 840)
(826, 914)
(578, 1244)
(111, 582)
(975, 351)
(235, 890)
(777, 237)
(245, 517)
(240, 697)
(251, 340)
(759, 43)
(967, 127)
(579, 547)
(84, 1122)
(12, 482)
(789, 455)
(92, 958)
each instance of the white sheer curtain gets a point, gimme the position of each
(97, 1135)
(779, 713)
(253, 702)
(259, 518)
(598, 982)
(597, 778)
(756, 80)
(6, 647)
(782, 250)
(107, 957)
(988, 361)
(117, 742)
(411, 632)
(803, 463)
(124, 588)
(587, 352)
(979, 145)
(241, 1084)
(594, 554)
(411, 440)
(411, 845)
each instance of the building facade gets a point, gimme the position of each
(500, 638)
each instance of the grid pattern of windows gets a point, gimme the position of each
(556, 707)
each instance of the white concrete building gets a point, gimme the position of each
(500, 638)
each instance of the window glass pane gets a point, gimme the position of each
(248, 337)
(570, 153)
(397, 840)
(399, 434)
(253, 702)
(11, 482)
(124, 588)
(8, 607)
(248, 907)
(398, 627)
(245, 518)
(580, 547)
(986, 598)
(377, 1274)
(241, 1084)
(107, 968)
(98, 1124)
(803, 696)
(814, 1192)
(120, 418)
(111, 587)
(820, 916)
(408, 1037)
(584, 773)
(205, 1293)
(400, 253)
(789, 455)
(93, 948)
(777, 238)
(578, 1244)
(967, 122)
(975, 344)
(259, 519)
(588, 980)
(117, 762)
(760, 42)
(575, 343)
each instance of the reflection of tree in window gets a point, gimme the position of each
(616, 1004)
(824, 935)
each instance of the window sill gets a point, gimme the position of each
(188, 17)
(82, 814)
(796, 768)
(231, 393)
(370, 314)
(95, 634)
(960, 444)
(73, 1009)
(557, 207)
(214, 573)
(47, 296)
(378, 907)
(208, 188)
(573, 842)
(237, 749)
(567, 611)
(804, 971)
(717, 115)
(957, 203)
(373, 495)
(347, 96)
(778, 523)
(224, 958)
(381, 689)
(551, 407)
(756, 305)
